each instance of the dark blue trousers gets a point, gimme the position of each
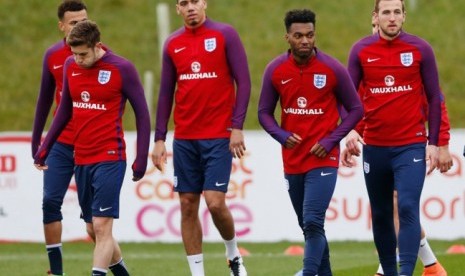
(310, 195)
(402, 168)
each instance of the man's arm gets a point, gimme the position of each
(347, 96)
(237, 60)
(165, 96)
(267, 104)
(60, 121)
(134, 91)
(43, 105)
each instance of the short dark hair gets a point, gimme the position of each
(70, 5)
(299, 16)
(84, 33)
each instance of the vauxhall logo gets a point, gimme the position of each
(196, 67)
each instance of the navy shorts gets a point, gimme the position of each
(57, 177)
(99, 186)
(201, 165)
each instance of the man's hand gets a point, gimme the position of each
(432, 156)
(318, 150)
(445, 159)
(41, 167)
(293, 141)
(347, 158)
(159, 155)
(236, 143)
(352, 140)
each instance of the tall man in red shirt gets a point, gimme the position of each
(205, 72)
(311, 86)
(426, 254)
(97, 83)
(60, 160)
(393, 71)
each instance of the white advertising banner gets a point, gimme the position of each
(257, 198)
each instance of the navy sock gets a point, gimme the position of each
(119, 269)
(55, 259)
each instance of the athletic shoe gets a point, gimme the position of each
(435, 269)
(236, 266)
(299, 273)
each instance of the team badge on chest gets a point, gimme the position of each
(406, 59)
(104, 76)
(210, 44)
(319, 80)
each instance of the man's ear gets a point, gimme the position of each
(61, 26)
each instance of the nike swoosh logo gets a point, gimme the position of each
(325, 174)
(57, 66)
(219, 184)
(417, 160)
(286, 81)
(372, 59)
(75, 74)
(177, 50)
(104, 209)
(198, 262)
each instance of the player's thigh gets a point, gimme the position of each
(378, 174)
(188, 167)
(217, 160)
(319, 188)
(107, 181)
(60, 170)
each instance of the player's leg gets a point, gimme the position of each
(396, 225)
(99, 189)
(428, 258)
(217, 167)
(295, 187)
(56, 181)
(319, 187)
(410, 169)
(117, 264)
(188, 182)
(104, 245)
(379, 182)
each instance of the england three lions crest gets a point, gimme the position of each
(406, 59)
(210, 44)
(104, 76)
(319, 80)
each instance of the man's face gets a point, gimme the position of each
(70, 18)
(301, 39)
(390, 18)
(85, 56)
(192, 11)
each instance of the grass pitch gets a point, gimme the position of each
(347, 258)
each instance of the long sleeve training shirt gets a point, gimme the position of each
(205, 73)
(95, 98)
(392, 78)
(310, 96)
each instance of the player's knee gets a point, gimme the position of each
(51, 210)
(216, 208)
(313, 229)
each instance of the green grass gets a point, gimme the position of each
(129, 27)
(347, 258)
